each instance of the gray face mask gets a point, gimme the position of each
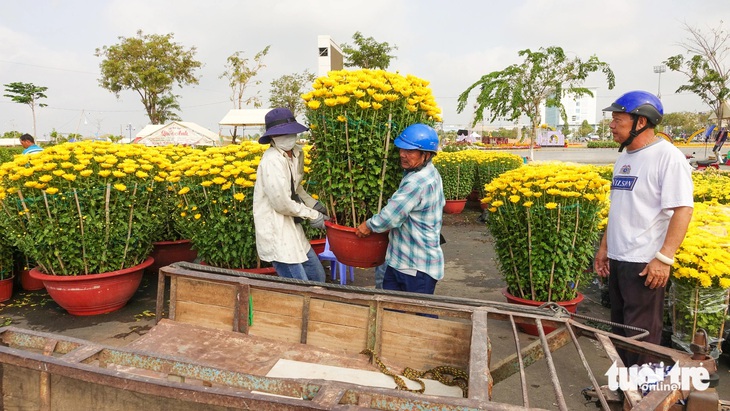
(286, 142)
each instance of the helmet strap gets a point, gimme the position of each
(634, 132)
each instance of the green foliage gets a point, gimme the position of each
(354, 118)
(544, 219)
(694, 307)
(680, 122)
(150, 64)
(12, 134)
(544, 76)
(708, 76)
(602, 144)
(240, 76)
(7, 254)
(167, 106)
(457, 174)
(584, 129)
(26, 93)
(286, 91)
(367, 53)
(7, 153)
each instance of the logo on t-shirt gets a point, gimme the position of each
(623, 183)
(625, 169)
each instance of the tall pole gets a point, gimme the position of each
(659, 70)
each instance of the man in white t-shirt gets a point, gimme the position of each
(651, 207)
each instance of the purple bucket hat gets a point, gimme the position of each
(279, 122)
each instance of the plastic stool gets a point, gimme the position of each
(336, 266)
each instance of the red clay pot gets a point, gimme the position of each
(168, 252)
(355, 251)
(571, 306)
(454, 206)
(29, 283)
(318, 245)
(6, 289)
(93, 294)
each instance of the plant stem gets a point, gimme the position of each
(575, 237)
(106, 226)
(552, 268)
(50, 218)
(697, 302)
(385, 162)
(81, 226)
(129, 228)
(349, 169)
(529, 253)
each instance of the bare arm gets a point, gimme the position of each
(656, 272)
(600, 263)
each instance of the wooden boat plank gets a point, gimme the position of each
(235, 351)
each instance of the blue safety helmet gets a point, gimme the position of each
(418, 137)
(641, 103)
(638, 103)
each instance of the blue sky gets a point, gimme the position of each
(51, 43)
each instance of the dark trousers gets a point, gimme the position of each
(420, 283)
(633, 303)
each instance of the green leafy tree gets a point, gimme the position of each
(12, 134)
(286, 90)
(167, 106)
(603, 130)
(584, 129)
(240, 76)
(705, 65)
(150, 64)
(678, 123)
(27, 93)
(367, 53)
(545, 75)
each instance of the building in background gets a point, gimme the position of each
(577, 110)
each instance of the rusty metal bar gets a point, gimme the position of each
(530, 354)
(599, 392)
(632, 396)
(551, 367)
(523, 378)
(480, 382)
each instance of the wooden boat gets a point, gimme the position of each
(227, 340)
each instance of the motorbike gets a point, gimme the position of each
(700, 165)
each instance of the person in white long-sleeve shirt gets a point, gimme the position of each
(281, 205)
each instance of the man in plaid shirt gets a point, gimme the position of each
(413, 215)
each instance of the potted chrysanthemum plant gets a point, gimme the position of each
(83, 212)
(544, 219)
(354, 117)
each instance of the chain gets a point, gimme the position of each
(563, 312)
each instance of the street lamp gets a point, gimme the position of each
(130, 128)
(659, 70)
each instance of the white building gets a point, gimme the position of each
(576, 110)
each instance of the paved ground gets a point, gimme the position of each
(470, 272)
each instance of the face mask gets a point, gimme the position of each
(286, 142)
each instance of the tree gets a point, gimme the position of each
(545, 77)
(166, 107)
(367, 53)
(705, 66)
(27, 93)
(239, 75)
(676, 124)
(150, 64)
(584, 129)
(287, 89)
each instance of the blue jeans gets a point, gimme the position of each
(311, 269)
(420, 283)
(379, 275)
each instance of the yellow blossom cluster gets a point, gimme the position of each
(548, 185)
(704, 256)
(371, 89)
(712, 185)
(82, 165)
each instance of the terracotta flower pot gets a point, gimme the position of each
(318, 245)
(168, 252)
(93, 294)
(29, 283)
(454, 206)
(571, 306)
(355, 251)
(6, 289)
